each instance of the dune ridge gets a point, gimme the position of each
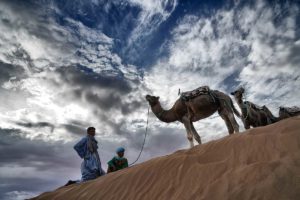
(260, 163)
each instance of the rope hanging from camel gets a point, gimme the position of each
(144, 139)
(247, 110)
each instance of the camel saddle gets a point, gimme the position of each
(290, 110)
(186, 96)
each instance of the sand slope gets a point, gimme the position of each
(261, 163)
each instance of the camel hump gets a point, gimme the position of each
(254, 106)
(186, 96)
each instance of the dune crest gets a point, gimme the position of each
(261, 163)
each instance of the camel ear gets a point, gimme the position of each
(157, 98)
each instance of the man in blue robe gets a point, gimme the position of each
(87, 150)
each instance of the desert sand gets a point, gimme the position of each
(260, 163)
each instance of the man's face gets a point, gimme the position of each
(92, 132)
(121, 154)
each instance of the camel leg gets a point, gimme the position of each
(227, 122)
(233, 122)
(246, 124)
(196, 135)
(186, 122)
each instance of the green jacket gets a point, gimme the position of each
(117, 163)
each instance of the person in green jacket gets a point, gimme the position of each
(118, 162)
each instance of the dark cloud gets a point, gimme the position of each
(8, 71)
(39, 157)
(75, 129)
(37, 125)
(90, 86)
(21, 54)
(104, 102)
(132, 106)
(294, 57)
(113, 101)
(36, 186)
(24, 152)
(86, 78)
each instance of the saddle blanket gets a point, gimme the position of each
(186, 96)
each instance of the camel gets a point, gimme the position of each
(252, 114)
(286, 112)
(195, 109)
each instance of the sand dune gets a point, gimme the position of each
(261, 163)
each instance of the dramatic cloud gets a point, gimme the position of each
(26, 161)
(248, 45)
(153, 14)
(68, 65)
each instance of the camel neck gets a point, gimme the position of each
(164, 115)
(242, 106)
(240, 103)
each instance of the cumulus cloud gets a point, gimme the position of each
(95, 74)
(273, 42)
(248, 45)
(30, 39)
(66, 76)
(68, 65)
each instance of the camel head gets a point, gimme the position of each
(238, 94)
(153, 100)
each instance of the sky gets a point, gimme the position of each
(68, 65)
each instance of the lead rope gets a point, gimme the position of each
(143, 141)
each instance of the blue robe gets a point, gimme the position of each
(91, 165)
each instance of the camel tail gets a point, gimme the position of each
(236, 112)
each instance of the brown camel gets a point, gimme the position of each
(286, 112)
(252, 114)
(197, 108)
